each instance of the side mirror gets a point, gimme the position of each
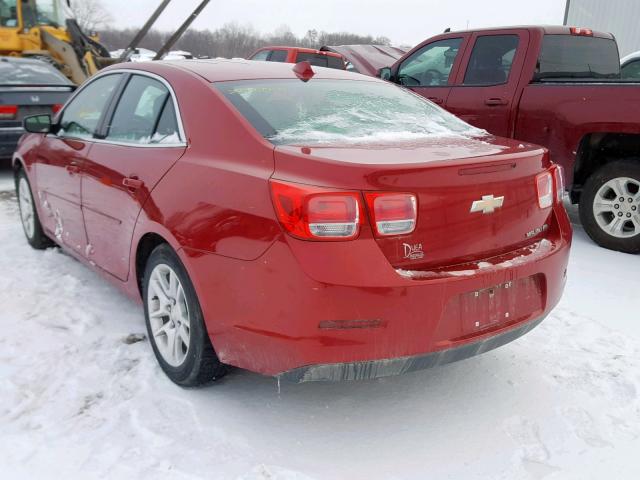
(37, 124)
(385, 74)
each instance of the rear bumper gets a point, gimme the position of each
(9, 138)
(338, 310)
(336, 372)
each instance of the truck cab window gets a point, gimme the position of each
(278, 56)
(8, 13)
(631, 70)
(491, 60)
(431, 65)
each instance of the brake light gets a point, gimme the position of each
(586, 32)
(315, 213)
(544, 186)
(56, 108)
(393, 213)
(8, 112)
(558, 176)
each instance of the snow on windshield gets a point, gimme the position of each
(339, 111)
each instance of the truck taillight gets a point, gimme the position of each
(544, 187)
(314, 213)
(393, 213)
(8, 112)
(558, 177)
(586, 32)
(56, 108)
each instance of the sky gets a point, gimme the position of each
(408, 22)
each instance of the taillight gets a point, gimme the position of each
(393, 213)
(56, 108)
(544, 187)
(314, 213)
(8, 112)
(558, 176)
(585, 32)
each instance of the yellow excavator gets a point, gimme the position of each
(47, 30)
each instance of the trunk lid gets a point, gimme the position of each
(448, 177)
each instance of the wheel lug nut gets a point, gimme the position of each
(622, 199)
(616, 206)
(628, 215)
(630, 200)
(619, 214)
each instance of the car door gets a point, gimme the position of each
(61, 157)
(484, 93)
(430, 70)
(142, 139)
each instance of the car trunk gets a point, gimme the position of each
(447, 176)
(31, 101)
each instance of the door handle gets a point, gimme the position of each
(436, 100)
(132, 183)
(496, 101)
(72, 168)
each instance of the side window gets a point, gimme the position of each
(431, 65)
(261, 55)
(631, 71)
(491, 60)
(80, 118)
(278, 56)
(142, 109)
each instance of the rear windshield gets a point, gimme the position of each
(320, 60)
(30, 73)
(339, 111)
(577, 57)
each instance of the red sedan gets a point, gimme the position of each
(308, 224)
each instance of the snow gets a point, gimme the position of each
(82, 399)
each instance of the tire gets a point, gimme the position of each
(29, 214)
(610, 206)
(175, 323)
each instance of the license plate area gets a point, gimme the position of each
(475, 312)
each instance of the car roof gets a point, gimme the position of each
(301, 50)
(223, 70)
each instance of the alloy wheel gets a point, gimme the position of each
(25, 203)
(168, 315)
(616, 207)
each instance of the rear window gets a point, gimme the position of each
(320, 60)
(30, 73)
(339, 111)
(576, 57)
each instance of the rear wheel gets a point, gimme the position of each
(175, 322)
(610, 206)
(29, 214)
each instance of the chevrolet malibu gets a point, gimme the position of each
(299, 222)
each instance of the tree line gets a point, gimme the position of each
(233, 40)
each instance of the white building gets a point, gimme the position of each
(620, 17)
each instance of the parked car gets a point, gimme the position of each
(555, 86)
(630, 67)
(27, 87)
(311, 225)
(367, 59)
(297, 54)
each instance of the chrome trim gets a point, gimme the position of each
(11, 129)
(176, 106)
(37, 89)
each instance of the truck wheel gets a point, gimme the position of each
(610, 206)
(175, 322)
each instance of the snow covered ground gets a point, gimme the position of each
(78, 400)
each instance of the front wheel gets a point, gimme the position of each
(29, 214)
(175, 322)
(610, 206)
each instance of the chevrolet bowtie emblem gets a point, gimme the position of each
(488, 204)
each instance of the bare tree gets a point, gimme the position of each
(91, 15)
